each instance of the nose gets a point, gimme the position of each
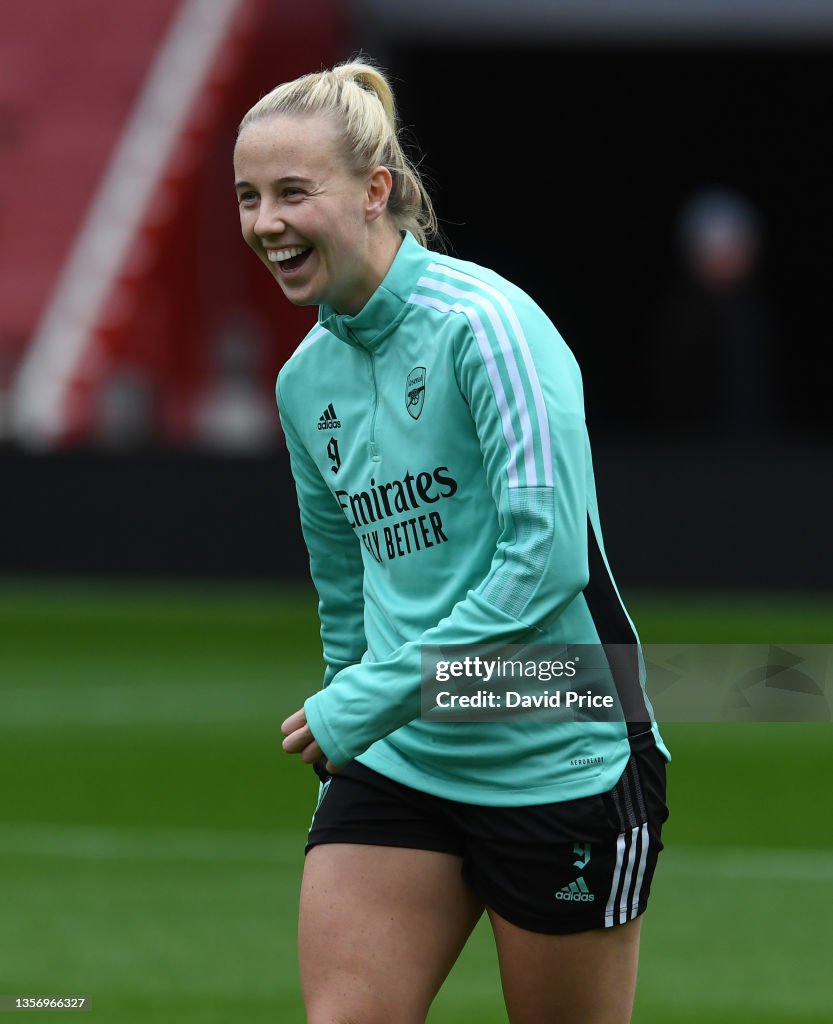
(269, 220)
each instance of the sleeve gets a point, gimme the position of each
(334, 557)
(524, 392)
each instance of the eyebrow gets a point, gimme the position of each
(289, 179)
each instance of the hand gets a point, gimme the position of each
(299, 740)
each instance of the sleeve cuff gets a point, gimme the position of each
(323, 737)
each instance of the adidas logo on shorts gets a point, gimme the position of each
(328, 419)
(576, 891)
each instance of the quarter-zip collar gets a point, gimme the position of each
(386, 306)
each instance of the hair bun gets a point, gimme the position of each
(371, 80)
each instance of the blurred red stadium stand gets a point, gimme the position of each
(119, 243)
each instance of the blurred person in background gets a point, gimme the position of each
(235, 414)
(124, 409)
(435, 423)
(713, 356)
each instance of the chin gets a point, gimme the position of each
(302, 300)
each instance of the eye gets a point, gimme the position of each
(247, 198)
(291, 192)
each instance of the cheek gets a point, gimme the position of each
(344, 240)
(253, 242)
(249, 236)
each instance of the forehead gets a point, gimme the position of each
(276, 147)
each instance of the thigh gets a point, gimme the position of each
(380, 928)
(573, 866)
(581, 978)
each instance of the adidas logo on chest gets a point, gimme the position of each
(328, 419)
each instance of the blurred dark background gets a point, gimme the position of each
(660, 188)
(567, 169)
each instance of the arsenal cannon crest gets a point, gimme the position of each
(415, 391)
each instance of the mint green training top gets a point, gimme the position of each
(446, 494)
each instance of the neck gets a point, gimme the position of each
(381, 252)
(383, 249)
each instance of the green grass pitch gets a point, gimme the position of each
(151, 829)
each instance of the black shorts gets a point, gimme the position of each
(553, 868)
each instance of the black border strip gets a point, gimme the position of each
(619, 640)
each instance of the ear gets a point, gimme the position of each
(379, 186)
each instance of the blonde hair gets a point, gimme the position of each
(360, 97)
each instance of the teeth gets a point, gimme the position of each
(279, 255)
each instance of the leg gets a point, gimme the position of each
(380, 928)
(581, 978)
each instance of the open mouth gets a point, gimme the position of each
(289, 260)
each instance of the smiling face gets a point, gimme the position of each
(323, 231)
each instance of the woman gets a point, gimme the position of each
(435, 425)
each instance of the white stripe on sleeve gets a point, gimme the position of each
(491, 367)
(309, 340)
(537, 393)
(521, 407)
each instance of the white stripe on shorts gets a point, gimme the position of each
(623, 902)
(626, 845)
(643, 858)
(617, 873)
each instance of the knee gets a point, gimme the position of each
(324, 1014)
(325, 1011)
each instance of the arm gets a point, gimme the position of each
(530, 424)
(334, 556)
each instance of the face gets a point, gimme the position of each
(306, 215)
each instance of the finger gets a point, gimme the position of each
(298, 741)
(312, 753)
(294, 722)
